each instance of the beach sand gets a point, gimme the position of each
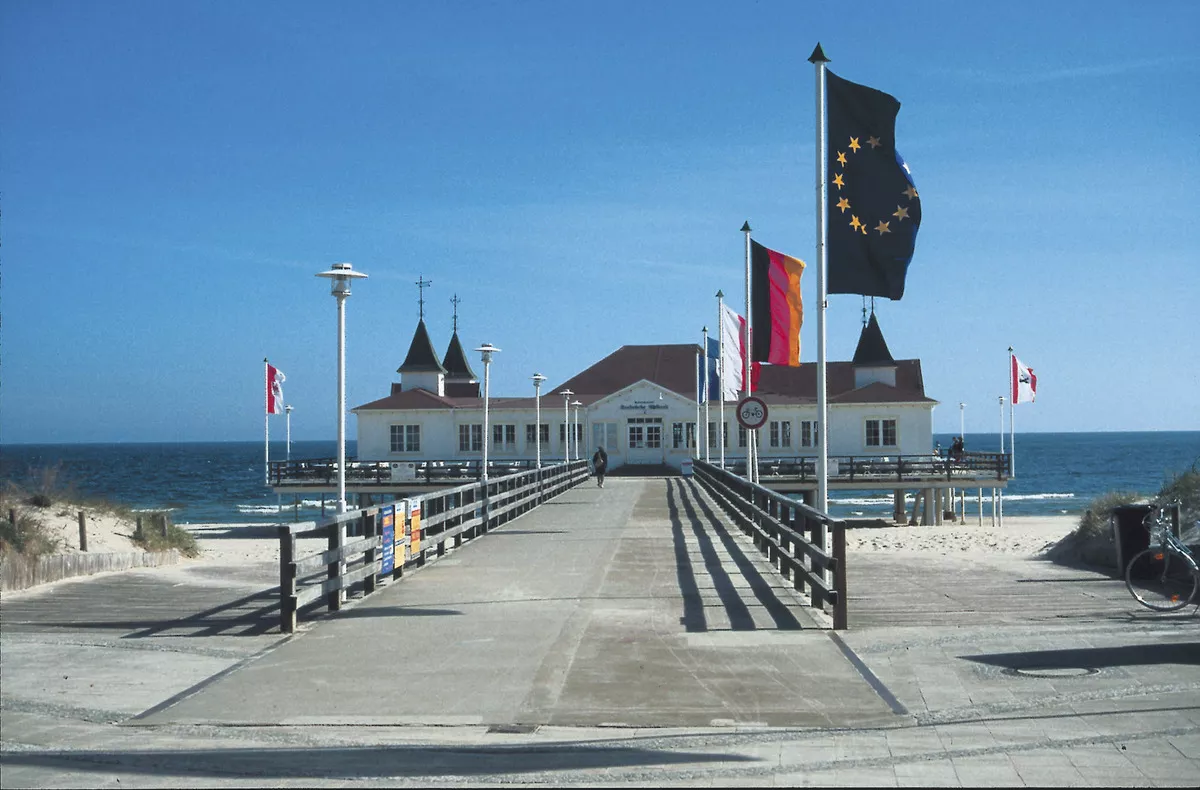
(1028, 536)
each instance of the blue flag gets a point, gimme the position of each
(712, 360)
(874, 210)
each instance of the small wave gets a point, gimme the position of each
(305, 504)
(1035, 497)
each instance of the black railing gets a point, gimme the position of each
(867, 468)
(323, 471)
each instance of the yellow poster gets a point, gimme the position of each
(415, 516)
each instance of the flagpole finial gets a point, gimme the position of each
(746, 226)
(720, 294)
(1010, 349)
(818, 55)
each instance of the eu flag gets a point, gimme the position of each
(874, 210)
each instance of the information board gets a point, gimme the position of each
(387, 528)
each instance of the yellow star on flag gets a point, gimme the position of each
(843, 204)
(873, 142)
(883, 228)
(855, 223)
(841, 157)
(911, 191)
(854, 146)
(838, 180)
(900, 213)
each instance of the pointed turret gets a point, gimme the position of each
(872, 359)
(421, 368)
(460, 379)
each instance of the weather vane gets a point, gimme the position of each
(454, 301)
(422, 284)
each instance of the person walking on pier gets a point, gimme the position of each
(600, 464)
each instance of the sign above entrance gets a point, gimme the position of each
(751, 413)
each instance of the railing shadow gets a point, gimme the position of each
(1096, 657)
(364, 762)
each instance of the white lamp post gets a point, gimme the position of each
(487, 349)
(538, 378)
(576, 403)
(288, 410)
(567, 424)
(962, 431)
(340, 276)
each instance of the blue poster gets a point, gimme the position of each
(387, 524)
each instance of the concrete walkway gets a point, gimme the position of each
(623, 635)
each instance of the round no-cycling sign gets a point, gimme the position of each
(751, 413)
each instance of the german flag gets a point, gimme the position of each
(775, 306)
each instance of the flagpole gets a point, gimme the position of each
(721, 372)
(696, 433)
(707, 395)
(1000, 491)
(1012, 433)
(266, 425)
(751, 467)
(819, 60)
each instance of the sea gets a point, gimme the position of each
(223, 482)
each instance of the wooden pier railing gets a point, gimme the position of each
(354, 552)
(791, 534)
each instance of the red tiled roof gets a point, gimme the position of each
(673, 367)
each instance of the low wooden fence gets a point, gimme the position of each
(353, 553)
(791, 534)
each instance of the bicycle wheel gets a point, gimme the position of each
(1160, 580)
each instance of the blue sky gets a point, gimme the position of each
(172, 175)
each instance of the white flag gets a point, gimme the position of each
(1024, 382)
(733, 360)
(275, 379)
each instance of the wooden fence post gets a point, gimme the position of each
(842, 607)
(337, 538)
(287, 581)
(82, 531)
(370, 556)
(162, 524)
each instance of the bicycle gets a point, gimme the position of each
(1165, 577)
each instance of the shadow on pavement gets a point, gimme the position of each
(1096, 657)
(360, 762)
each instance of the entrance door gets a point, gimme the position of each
(645, 440)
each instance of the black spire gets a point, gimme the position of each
(872, 348)
(455, 361)
(421, 356)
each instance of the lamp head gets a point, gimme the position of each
(538, 380)
(487, 349)
(340, 276)
(566, 394)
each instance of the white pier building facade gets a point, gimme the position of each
(640, 404)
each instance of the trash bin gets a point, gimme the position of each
(1129, 534)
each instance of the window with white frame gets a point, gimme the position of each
(470, 438)
(881, 433)
(504, 438)
(678, 440)
(531, 438)
(785, 434)
(808, 433)
(604, 434)
(406, 438)
(741, 435)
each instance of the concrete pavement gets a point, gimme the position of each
(623, 635)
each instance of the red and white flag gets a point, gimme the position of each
(733, 350)
(275, 379)
(1024, 383)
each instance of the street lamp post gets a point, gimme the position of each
(538, 378)
(567, 424)
(487, 349)
(340, 277)
(288, 410)
(962, 431)
(576, 403)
